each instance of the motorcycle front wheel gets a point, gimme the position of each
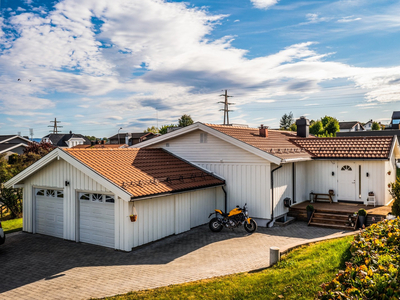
(214, 225)
(250, 228)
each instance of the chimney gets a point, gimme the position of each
(263, 130)
(103, 142)
(70, 132)
(92, 143)
(303, 127)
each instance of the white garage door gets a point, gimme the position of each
(96, 219)
(49, 217)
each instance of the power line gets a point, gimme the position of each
(226, 107)
(31, 133)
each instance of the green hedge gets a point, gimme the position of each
(373, 270)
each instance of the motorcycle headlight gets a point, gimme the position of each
(246, 213)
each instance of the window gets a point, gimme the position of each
(396, 121)
(203, 137)
(60, 194)
(50, 193)
(346, 168)
(109, 199)
(40, 193)
(97, 197)
(84, 196)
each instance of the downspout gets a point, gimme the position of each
(226, 198)
(272, 196)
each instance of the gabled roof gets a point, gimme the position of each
(349, 147)
(60, 139)
(145, 172)
(10, 146)
(396, 115)
(9, 138)
(277, 143)
(133, 135)
(349, 125)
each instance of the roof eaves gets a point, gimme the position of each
(13, 147)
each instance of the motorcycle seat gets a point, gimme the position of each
(225, 214)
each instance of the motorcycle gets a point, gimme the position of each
(235, 218)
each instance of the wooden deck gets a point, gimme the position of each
(374, 214)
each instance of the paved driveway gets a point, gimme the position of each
(42, 267)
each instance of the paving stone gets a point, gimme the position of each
(46, 267)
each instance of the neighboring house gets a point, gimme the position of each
(394, 123)
(88, 195)
(68, 140)
(351, 126)
(13, 144)
(368, 125)
(262, 167)
(101, 146)
(131, 138)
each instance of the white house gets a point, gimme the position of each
(351, 126)
(88, 195)
(262, 167)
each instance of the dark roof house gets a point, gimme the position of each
(351, 126)
(68, 140)
(131, 138)
(13, 144)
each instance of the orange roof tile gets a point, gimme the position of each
(277, 143)
(145, 172)
(368, 147)
(101, 146)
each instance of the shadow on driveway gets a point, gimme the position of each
(26, 258)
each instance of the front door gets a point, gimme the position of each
(347, 181)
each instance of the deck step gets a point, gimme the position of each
(331, 220)
(335, 226)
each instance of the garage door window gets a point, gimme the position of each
(50, 193)
(40, 193)
(99, 198)
(60, 194)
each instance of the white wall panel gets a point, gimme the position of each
(245, 183)
(301, 175)
(189, 147)
(202, 203)
(319, 177)
(283, 187)
(182, 212)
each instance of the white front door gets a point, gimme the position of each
(49, 215)
(346, 181)
(96, 219)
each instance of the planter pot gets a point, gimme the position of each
(133, 218)
(361, 221)
(309, 214)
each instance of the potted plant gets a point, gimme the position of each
(309, 210)
(371, 194)
(331, 192)
(362, 216)
(133, 218)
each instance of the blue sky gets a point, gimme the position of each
(99, 65)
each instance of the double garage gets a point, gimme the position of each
(95, 216)
(64, 198)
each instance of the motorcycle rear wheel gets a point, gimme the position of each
(214, 225)
(250, 228)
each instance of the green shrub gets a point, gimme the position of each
(373, 270)
(395, 192)
(310, 207)
(362, 212)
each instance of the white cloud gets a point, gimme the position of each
(348, 19)
(79, 116)
(264, 4)
(115, 118)
(236, 21)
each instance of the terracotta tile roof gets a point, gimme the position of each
(277, 143)
(144, 172)
(101, 146)
(371, 147)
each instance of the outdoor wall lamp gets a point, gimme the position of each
(333, 173)
(66, 183)
(367, 174)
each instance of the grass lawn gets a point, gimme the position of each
(12, 225)
(297, 276)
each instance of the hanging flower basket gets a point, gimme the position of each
(133, 216)
(389, 172)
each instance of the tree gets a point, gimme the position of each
(185, 120)
(293, 127)
(164, 128)
(375, 126)
(286, 121)
(152, 129)
(316, 128)
(332, 126)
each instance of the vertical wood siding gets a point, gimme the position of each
(283, 187)
(301, 175)
(164, 216)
